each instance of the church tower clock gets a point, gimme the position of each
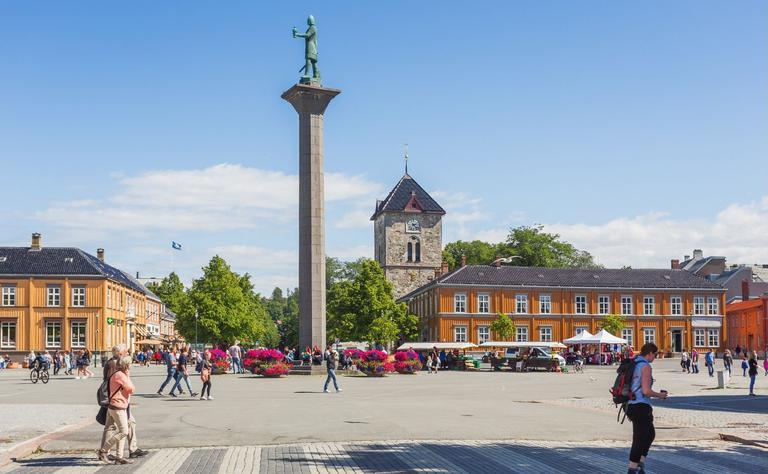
(408, 236)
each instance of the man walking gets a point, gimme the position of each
(234, 354)
(330, 365)
(695, 361)
(709, 360)
(171, 362)
(182, 372)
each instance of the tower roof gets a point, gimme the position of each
(407, 196)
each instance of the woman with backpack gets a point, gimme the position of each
(639, 410)
(752, 372)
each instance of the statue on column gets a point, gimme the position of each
(310, 52)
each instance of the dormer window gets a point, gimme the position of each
(68, 259)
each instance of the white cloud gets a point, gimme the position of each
(463, 211)
(349, 254)
(357, 219)
(247, 256)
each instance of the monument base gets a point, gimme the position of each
(309, 370)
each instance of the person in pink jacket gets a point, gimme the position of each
(120, 390)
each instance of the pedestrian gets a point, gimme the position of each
(738, 350)
(744, 365)
(330, 366)
(695, 361)
(685, 362)
(234, 354)
(182, 372)
(765, 363)
(435, 359)
(171, 362)
(205, 376)
(120, 389)
(639, 410)
(86, 363)
(728, 361)
(709, 361)
(752, 372)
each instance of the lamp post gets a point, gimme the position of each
(196, 348)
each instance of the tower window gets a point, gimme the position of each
(410, 252)
(418, 251)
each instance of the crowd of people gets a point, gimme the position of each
(689, 362)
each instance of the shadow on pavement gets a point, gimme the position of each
(741, 403)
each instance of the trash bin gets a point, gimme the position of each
(723, 377)
(477, 363)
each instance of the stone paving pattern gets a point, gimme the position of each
(460, 457)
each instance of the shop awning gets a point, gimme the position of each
(425, 346)
(706, 323)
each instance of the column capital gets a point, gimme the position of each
(310, 99)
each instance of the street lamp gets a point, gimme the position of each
(196, 347)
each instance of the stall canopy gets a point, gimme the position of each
(551, 345)
(149, 342)
(579, 338)
(423, 346)
(603, 337)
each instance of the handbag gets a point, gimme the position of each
(101, 416)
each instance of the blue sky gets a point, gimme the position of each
(637, 130)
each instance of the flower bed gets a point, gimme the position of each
(375, 364)
(219, 362)
(266, 362)
(354, 354)
(407, 362)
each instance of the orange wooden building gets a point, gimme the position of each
(673, 308)
(748, 324)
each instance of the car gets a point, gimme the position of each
(540, 358)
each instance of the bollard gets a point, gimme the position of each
(723, 377)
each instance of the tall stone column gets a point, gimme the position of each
(310, 101)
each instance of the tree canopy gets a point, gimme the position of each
(504, 327)
(613, 323)
(171, 292)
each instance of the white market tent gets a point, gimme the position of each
(604, 337)
(424, 346)
(551, 345)
(579, 338)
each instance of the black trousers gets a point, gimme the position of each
(643, 432)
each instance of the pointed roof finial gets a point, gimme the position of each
(406, 158)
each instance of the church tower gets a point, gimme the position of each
(408, 242)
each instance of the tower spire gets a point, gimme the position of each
(406, 158)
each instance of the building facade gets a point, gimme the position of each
(62, 298)
(673, 308)
(748, 324)
(408, 236)
(732, 277)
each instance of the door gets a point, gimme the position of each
(677, 340)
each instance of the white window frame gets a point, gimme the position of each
(460, 303)
(459, 334)
(676, 305)
(603, 304)
(545, 304)
(580, 304)
(629, 335)
(698, 305)
(53, 295)
(713, 338)
(521, 334)
(626, 305)
(51, 339)
(78, 296)
(545, 333)
(6, 341)
(483, 334)
(483, 303)
(78, 334)
(649, 305)
(649, 332)
(9, 295)
(521, 304)
(580, 329)
(699, 337)
(713, 305)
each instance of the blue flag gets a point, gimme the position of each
(176, 246)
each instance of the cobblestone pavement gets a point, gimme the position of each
(469, 457)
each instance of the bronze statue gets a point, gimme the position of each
(310, 52)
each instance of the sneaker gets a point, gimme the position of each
(123, 461)
(210, 397)
(138, 453)
(172, 394)
(326, 391)
(752, 394)
(202, 398)
(160, 393)
(104, 456)
(193, 394)
(338, 390)
(77, 378)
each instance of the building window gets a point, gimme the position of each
(714, 337)
(545, 333)
(459, 303)
(7, 335)
(580, 329)
(649, 335)
(53, 295)
(676, 307)
(483, 334)
(603, 304)
(483, 303)
(545, 304)
(53, 334)
(713, 306)
(581, 304)
(78, 334)
(627, 334)
(78, 296)
(626, 305)
(109, 297)
(521, 304)
(698, 305)
(460, 334)
(9, 296)
(649, 305)
(521, 334)
(698, 337)
(418, 251)
(409, 256)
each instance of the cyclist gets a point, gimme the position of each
(579, 361)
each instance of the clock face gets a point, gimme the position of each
(412, 226)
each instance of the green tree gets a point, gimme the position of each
(537, 248)
(476, 252)
(504, 327)
(613, 323)
(227, 308)
(363, 308)
(171, 292)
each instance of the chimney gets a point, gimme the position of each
(438, 272)
(686, 258)
(744, 290)
(675, 264)
(100, 254)
(444, 268)
(137, 275)
(463, 260)
(497, 262)
(36, 241)
(698, 254)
